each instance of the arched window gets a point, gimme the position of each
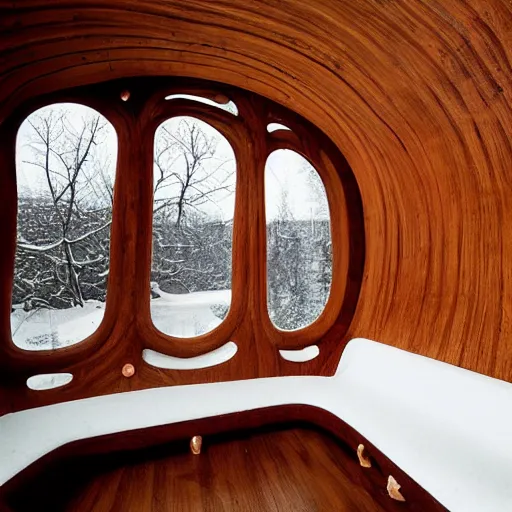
(193, 206)
(299, 258)
(65, 163)
(232, 242)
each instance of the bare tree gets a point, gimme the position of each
(192, 179)
(72, 204)
(188, 171)
(299, 264)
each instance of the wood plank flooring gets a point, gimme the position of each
(295, 470)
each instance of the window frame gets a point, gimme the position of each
(127, 327)
(222, 125)
(85, 102)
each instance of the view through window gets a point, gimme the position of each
(66, 157)
(299, 251)
(193, 207)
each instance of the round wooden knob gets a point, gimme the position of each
(128, 370)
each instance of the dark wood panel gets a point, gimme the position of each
(278, 471)
(339, 461)
(284, 470)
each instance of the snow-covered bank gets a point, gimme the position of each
(191, 314)
(45, 329)
(183, 315)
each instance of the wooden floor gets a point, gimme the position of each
(285, 470)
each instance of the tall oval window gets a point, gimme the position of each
(299, 257)
(193, 207)
(65, 167)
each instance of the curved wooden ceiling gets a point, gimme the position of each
(416, 94)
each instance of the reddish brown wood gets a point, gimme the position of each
(127, 329)
(323, 470)
(415, 94)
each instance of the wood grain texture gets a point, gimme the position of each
(127, 328)
(282, 471)
(415, 93)
(291, 466)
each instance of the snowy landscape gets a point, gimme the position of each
(183, 315)
(45, 329)
(66, 158)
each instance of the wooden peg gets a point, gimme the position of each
(364, 460)
(393, 489)
(195, 445)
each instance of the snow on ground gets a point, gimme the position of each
(183, 315)
(191, 314)
(44, 329)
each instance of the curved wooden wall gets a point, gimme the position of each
(415, 93)
(127, 329)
